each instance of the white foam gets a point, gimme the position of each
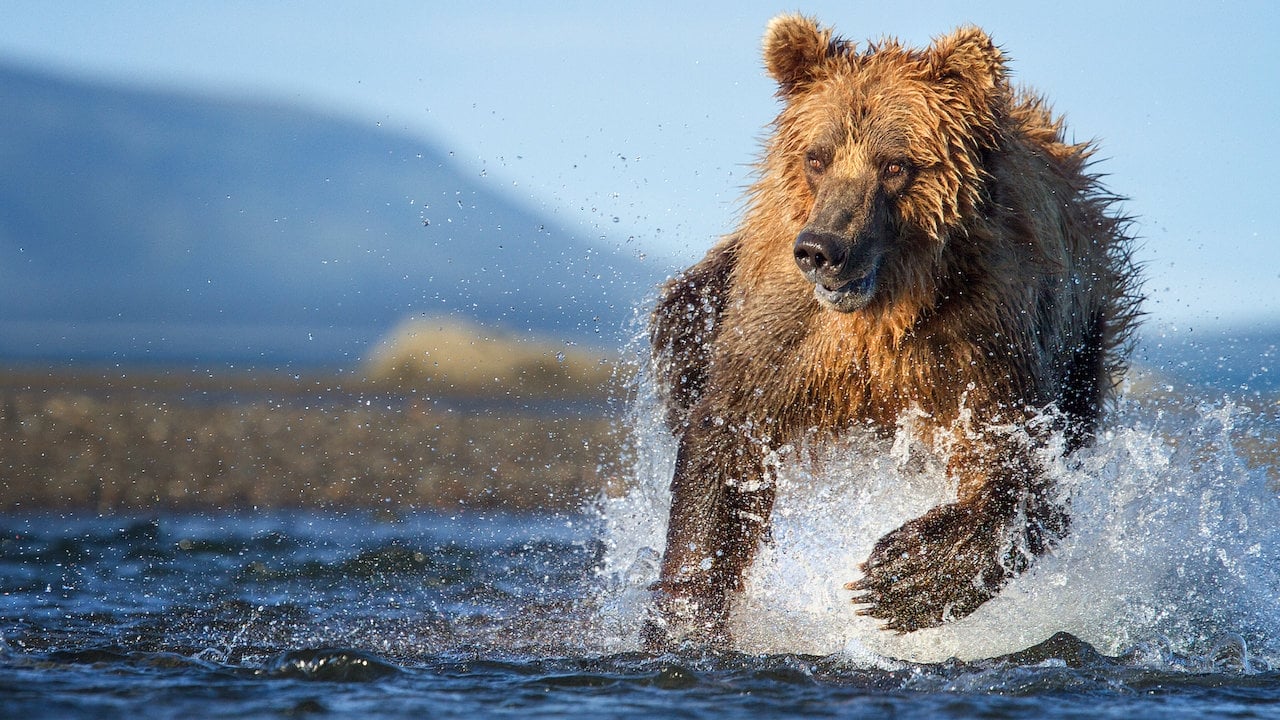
(1174, 544)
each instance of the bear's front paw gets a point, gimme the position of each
(938, 567)
(681, 618)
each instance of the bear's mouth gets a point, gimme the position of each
(853, 295)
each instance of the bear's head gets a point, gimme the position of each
(880, 151)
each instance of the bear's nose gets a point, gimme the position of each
(819, 254)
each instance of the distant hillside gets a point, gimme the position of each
(142, 225)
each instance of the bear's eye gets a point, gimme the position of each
(895, 168)
(815, 162)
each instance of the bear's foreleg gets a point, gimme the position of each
(945, 564)
(683, 330)
(720, 505)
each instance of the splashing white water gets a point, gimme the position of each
(1174, 544)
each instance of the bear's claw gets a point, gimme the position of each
(938, 567)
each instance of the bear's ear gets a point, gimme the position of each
(968, 60)
(794, 47)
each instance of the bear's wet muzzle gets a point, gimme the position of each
(843, 278)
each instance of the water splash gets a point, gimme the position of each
(1174, 549)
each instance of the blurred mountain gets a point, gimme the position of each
(139, 225)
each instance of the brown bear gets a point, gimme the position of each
(920, 236)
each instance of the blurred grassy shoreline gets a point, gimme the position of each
(441, 416)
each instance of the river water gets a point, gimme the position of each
(1163, 602)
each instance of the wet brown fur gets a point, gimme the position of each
(1006, 287)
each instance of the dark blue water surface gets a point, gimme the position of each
(354, 614)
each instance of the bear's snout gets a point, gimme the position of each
(843, 273)
(820, 255)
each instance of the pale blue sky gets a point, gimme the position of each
(642, 119)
